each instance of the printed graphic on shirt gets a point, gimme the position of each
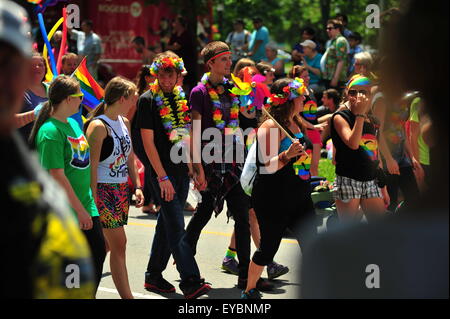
(370, 145)
(303, 164)
(80, 151)
(310, 110)
(119, 167)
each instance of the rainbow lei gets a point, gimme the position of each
(176, 130)
(176, 63)
(217, 109)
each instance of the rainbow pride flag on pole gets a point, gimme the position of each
(93, 93)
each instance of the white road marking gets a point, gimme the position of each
(135, 294)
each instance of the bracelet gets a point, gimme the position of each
(162, 179)
(360, 115)
(138, 187)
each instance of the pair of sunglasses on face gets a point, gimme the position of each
(355, 92)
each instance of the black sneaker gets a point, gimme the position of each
(158, 284)
(261, 284)
(251, 294)
(194, 288)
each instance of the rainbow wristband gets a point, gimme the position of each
(162, 179)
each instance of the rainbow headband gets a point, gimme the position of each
(176, 63)
(295, 89)
(358, 80)
(219, 54)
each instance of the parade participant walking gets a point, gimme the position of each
(355, 140)
(238, 41)
(282, 180)
(218, 109)
(248, 118)
(112, 159)
(41, 234)
(63, 151)
(164, 120)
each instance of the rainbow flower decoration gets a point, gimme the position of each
(295, 89)
(164, 63)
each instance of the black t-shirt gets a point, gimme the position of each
(360, 164)
(148, 118)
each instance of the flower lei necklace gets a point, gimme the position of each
(176, 130)
(217, 108)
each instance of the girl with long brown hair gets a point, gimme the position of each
(281, 191)
(64, 151)
(108, 133)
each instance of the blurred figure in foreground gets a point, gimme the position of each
(405, 255)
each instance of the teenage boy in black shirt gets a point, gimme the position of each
(163, 117)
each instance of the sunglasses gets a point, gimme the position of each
(80, 95)
(355, 92)
(329, 28)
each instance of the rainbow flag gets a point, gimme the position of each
(93, 93)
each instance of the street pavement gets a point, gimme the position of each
(211, 249)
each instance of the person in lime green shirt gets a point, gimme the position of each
(64, 151)
(419, 147)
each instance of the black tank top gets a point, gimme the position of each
(284, 181)
(360, 164)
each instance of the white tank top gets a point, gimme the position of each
(114, 168)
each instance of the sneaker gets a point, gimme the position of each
(158, 284)
(194, 288)
(275, 270)
(251, 294)
(230, 265)
(261, 284)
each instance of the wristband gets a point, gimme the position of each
(360, 115)
(138, 187)
(162, 179)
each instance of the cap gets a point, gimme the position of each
(14, 27)
(308, 43)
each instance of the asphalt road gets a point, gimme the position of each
(210, 252)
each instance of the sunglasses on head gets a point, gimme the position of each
(355, 92)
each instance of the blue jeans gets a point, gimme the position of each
(170, 235)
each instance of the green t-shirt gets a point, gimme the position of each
(63, 145)
(424, 150)
(337, 51)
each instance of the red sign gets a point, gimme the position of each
(117, 22)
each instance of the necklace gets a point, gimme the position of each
(217, 108)
(177, 128)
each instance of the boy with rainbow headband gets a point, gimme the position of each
(164, 120)
(355, 137)
(215, 108)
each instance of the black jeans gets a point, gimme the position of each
(406, 182)
(96, 243)
(238, 204)
(170, 236)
